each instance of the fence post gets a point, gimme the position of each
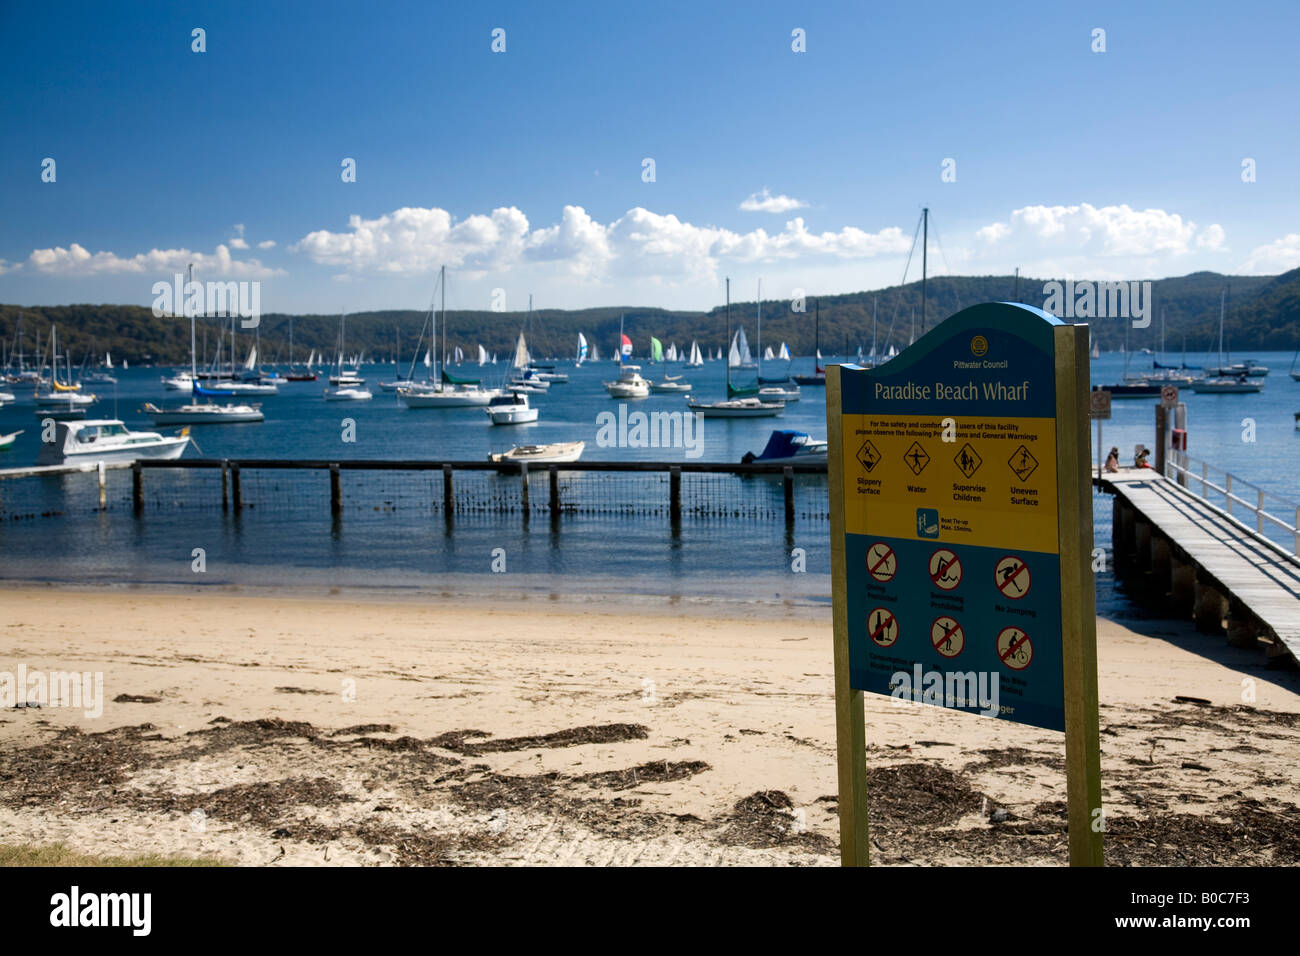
(448, 501)
(555, 490)
(523, 475)
(225, 485)
(103, 492)
(675, 493)
(1259, 512)
(236, 488)
(336, 490)
(137, 487)
(1205, 488)
(1296, 536)
(1227, 493)
(787, 475)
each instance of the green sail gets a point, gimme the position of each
(656, 350)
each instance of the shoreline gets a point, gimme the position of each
(326, 728)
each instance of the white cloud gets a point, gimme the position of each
(266, 244)
(7, 266)
(1106, 231)
(638, 243)
(238, 243)
(766, 202)
(1280, 255)
(77, 261)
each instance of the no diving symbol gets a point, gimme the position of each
(1012, 577)
(1014, 648)
(947, 636)
(945, 569)
(882, 564)
(882, 626)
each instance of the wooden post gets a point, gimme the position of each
(523, 477)
(236, 488)
(1078, 599)
(675, 493)
(225, 485)
(137, 487)
(336, 490)
(1182, 594)
(787, 474)
(554, 475)
(103, 491)
(448, 499)
(850, 723)
(1162, 568)
(1209, 610)
(1162, 436)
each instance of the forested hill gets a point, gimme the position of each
(1263, 313)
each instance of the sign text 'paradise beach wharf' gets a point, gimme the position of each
(961, 530)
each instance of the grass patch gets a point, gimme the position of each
(58, 854)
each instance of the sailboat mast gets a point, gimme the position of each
(727, 340)
(194, 369)
(925, 248)
(443, 281)
(760, 328)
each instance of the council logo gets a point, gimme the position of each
(978, 346)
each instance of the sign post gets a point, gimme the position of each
(961, 527)
(1099, 409)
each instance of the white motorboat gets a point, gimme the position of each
(737, 408)
(779, 393)
(99, 378)
(528, 380)
(348, 393)
(790, 448)
(397, 386)
(671, 385)
(6, 397)
(233, 389)
(549, 454)
(107, 440)
(511, 409)
(630, 384)
(547, 373)
(347, 380)
(180, 382)
(7, 441)
(204, 413)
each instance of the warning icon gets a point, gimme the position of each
(1022, 463)
(868, 455)
(916, 458)
(882, 626)
(968, 462)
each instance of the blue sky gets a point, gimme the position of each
(523, 170)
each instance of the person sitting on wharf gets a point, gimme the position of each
(1112, 460)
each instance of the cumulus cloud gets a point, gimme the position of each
(238, 243)
(77, 261)
(1085, 229)
(266, 244)
(766, 202)
(1280, 255)
(638, 243)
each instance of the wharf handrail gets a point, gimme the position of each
(1231, 485)
(384, 464)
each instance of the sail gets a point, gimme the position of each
(656, 350)
(428, 362)
(718, 357)
(482, 355)
(819, 355)
(108, 360)
(768, 354)
(582, 348)
(625, 347)
(521, 353)
(784, 353)
(733, 356)
(696, 358)
(746, 357)
(671, 354)
(595, 352)
(460, 356)
(251, 361)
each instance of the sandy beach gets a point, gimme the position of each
(319, 728)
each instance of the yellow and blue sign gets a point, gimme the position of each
(951, 538)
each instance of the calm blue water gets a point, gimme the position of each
(406, 547)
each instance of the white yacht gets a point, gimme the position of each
(790, 448)
(779, 393)
(180, 382)
(671, 385)
(737, 408)
(547, 454)
(461, 396)
(204, 413)
(511, 409)
(630, 384)
(106, 440)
